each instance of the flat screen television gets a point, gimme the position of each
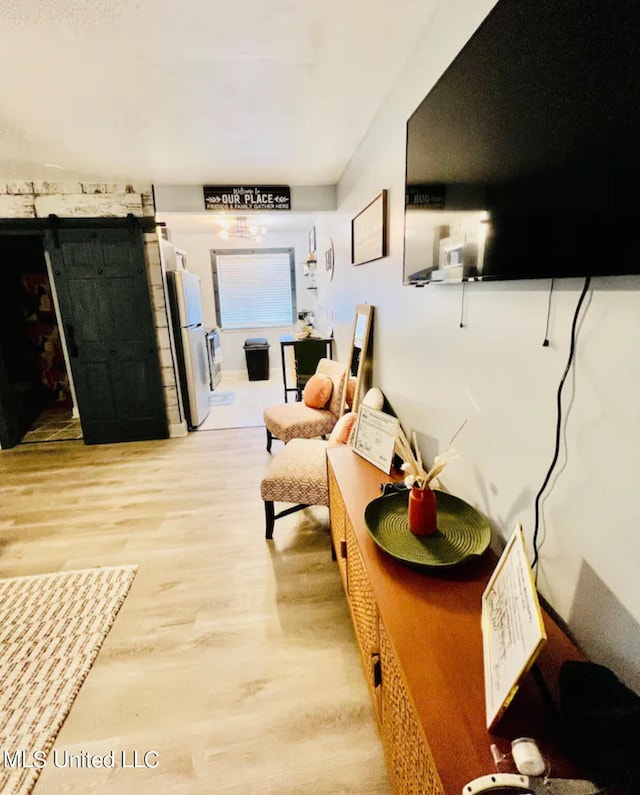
(522, 161)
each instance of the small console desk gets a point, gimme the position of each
(420, 643)
(289, 341)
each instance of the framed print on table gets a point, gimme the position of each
(513, 631)
(369, 232)
(375, 437)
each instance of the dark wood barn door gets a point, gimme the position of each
(103, 292)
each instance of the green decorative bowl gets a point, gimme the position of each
(463, 533)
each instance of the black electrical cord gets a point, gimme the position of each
(556, 452)
(545, 343)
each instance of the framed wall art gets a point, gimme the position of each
(369, 231)
(329, 260)
(312, 240)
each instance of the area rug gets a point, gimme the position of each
(221, 398)
(51, 629)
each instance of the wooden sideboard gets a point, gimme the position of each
(420, 641)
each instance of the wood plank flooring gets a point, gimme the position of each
(232, 658)
(250, 400)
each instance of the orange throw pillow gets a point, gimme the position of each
(342, 430)
(317, 391)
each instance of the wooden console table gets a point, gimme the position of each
(420, 641)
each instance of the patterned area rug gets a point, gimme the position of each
(51, 629)
(221, 398)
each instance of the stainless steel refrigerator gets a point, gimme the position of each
(191, 345)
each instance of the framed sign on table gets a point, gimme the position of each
(369, 232)
(375, 437)
(513, 632)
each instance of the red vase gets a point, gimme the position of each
(422, 512)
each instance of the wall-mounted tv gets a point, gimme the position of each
(523, 160)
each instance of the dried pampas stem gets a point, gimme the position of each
(418, 478)
(417, 449)
(407, 453)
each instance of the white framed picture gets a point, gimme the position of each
(513, 631)
(375, 437)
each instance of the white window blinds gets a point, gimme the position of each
(254, 290)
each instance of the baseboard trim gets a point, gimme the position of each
(178, 429)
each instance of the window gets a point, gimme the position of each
(254, 288)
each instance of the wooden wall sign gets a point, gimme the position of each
(243, 197)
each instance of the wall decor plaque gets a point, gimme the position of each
(329, 260)
(247, 197)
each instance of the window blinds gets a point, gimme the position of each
(254, 290)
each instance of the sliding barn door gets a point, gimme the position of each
(103, 291)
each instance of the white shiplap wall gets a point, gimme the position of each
(25, 199)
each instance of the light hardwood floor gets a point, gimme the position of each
(233, 658)
(249, 402)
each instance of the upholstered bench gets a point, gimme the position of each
(298, 474)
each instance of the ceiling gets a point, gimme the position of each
(196, 91)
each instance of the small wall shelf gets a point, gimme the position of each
(310, 274)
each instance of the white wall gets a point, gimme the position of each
(198, 246)
(495, 372)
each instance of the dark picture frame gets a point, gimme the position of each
(369, 231)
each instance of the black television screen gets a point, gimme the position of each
(522, 161)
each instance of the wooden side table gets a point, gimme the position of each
(289, 341)
(420, 640)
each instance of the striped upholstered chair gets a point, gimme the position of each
(298, 421)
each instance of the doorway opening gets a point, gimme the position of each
(39, 397)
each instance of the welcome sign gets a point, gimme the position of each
(242, 197)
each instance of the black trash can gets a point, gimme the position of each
(256, 350)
